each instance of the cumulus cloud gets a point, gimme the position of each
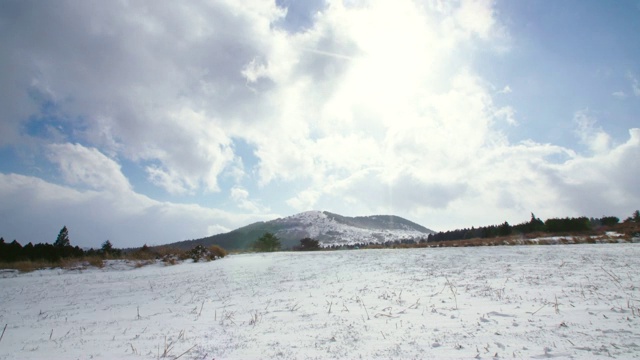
(594, 137)
(474, 17)
(242, 199)
(605, 182)
(108, 209)
(149, 82)
(88, 167)
(357, 107)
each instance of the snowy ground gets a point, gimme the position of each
(564, 301)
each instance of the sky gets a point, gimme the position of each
(146, 122)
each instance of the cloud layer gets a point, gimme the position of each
(353, 107)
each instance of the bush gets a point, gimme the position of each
(198, 253)
(212, 253)
(216, 252)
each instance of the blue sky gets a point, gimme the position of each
(148, 122)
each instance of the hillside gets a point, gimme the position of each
(328, 228)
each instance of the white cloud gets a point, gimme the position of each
(88, 167)
(178, 109)
(109, 210)
(635, 85)
(240, 196)
(305, 200)
(168, 180)
(606, 182)
(476, 17)
(505, 90)
(508, 114)
(619, 94)
(594, 137)
(150, 84)
(254, 70)
(217, 229)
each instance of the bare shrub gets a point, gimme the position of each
(216, 252)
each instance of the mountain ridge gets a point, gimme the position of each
(328, 228)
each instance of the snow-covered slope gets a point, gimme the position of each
(501, 302)
(328, 228)
(334, 229)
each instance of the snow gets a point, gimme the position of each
(560, 301)
(318, 225)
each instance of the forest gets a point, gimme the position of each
(535, 225)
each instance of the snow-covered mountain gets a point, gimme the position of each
(328, 228)
(334, 229)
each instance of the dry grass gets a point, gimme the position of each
(629, 229)
(69, 264)
(95, 261)
(217, 252)
(27, 265)
(141, 263)
(148, 255)
(141, 257)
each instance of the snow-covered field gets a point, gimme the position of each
(564, 301)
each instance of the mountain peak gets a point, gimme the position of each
(311, 214)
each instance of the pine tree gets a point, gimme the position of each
(307, 244)
(535, 224)
(267, 242)
(107, 247)
(63, 238)
(504, 229)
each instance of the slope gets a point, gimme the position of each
(328, 228)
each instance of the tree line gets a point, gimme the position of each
(60, 249)
(553, 225)
(268, 242)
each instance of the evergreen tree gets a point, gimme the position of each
(13, 252)
(504, 229)
(609, 220)
(535, 224)
(63, 238)
(307, 244)
(107, 248)
(266, 243)
(28, 252)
